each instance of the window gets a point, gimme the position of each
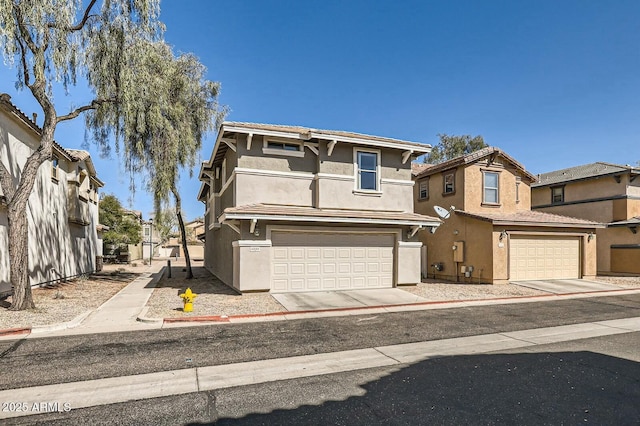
(423, 189)
(367, 170)
(283, 145)
(491, 180)
(518, 181)
(146, 231)
(54, 167)
(223, 173)
(449, 183)
(557, 194)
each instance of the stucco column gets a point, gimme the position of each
(408, 271)
(252, 265)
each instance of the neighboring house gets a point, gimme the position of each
(62, 208)
(298, 209)
(602, 192)
(492, 236)
(173, 247)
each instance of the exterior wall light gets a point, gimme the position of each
(503, 235)
(591, 236)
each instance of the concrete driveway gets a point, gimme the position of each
(318, 300)
(567, 286)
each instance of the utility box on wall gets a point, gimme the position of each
(458, 251)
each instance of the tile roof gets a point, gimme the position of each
(532, 218)
(585, 171)
(472, 158)
(308, 133)
(312, 212)
(7, 105)
(417, 168)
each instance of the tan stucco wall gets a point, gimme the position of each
(436, 197)
(408, 262)
(611, 236)
(478, 252)
(508, 203)
(335, 193)
(273, 189)
(255, 159)
(342, 158)
(219, 253)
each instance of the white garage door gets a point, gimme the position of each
(539, 258)
(322, 262)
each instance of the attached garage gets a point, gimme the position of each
(316, 261)
(544, 257)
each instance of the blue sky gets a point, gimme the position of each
(553, 83)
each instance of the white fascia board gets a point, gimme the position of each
(251, 243)
(287, 135)
(398, 182)
(216, 145)
(248, 216)
(258, 172)
(417, 149)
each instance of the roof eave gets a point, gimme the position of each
(309, 218)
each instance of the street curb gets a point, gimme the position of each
(15, 331)
(142, 317)
(363, 309)
(63, 325)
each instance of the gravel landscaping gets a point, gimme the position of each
(65, 301)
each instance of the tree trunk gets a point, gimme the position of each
(18, 228)
(182, 232)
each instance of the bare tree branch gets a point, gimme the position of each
(25, 66)
(79, 25)
(76, 112)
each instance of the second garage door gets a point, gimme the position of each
(324, 262)
(540, 258)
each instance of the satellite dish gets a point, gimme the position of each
(442, 212)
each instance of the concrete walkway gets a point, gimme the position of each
(119, 313)
(316, 300)
(567, 286)
(113, 390)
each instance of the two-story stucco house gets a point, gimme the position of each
(490, 234)
(298, 209)
(62, 208)
(602, 192)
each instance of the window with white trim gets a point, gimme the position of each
(54, 166)
(491, 187)
(367, 170)
(277, 146)
(223, 173)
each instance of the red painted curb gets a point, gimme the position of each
(15, 331)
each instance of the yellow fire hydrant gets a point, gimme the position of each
(187, 297)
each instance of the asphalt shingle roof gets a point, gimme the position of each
(585, 171)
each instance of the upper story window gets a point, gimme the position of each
(146, 231)
(449, 182)
(518, 182)
(367, 165)
(423, 189)
(557, 194)
(491, 187)
(54, 167)
(282, 147)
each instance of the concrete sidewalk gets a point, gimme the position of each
(75, 395)
(120, 313)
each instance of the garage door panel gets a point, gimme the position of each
(316, 262)
(533, 258)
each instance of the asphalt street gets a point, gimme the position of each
(386, 395)
(588, 381)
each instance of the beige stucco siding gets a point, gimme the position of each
(58, 249)
(615, 236)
